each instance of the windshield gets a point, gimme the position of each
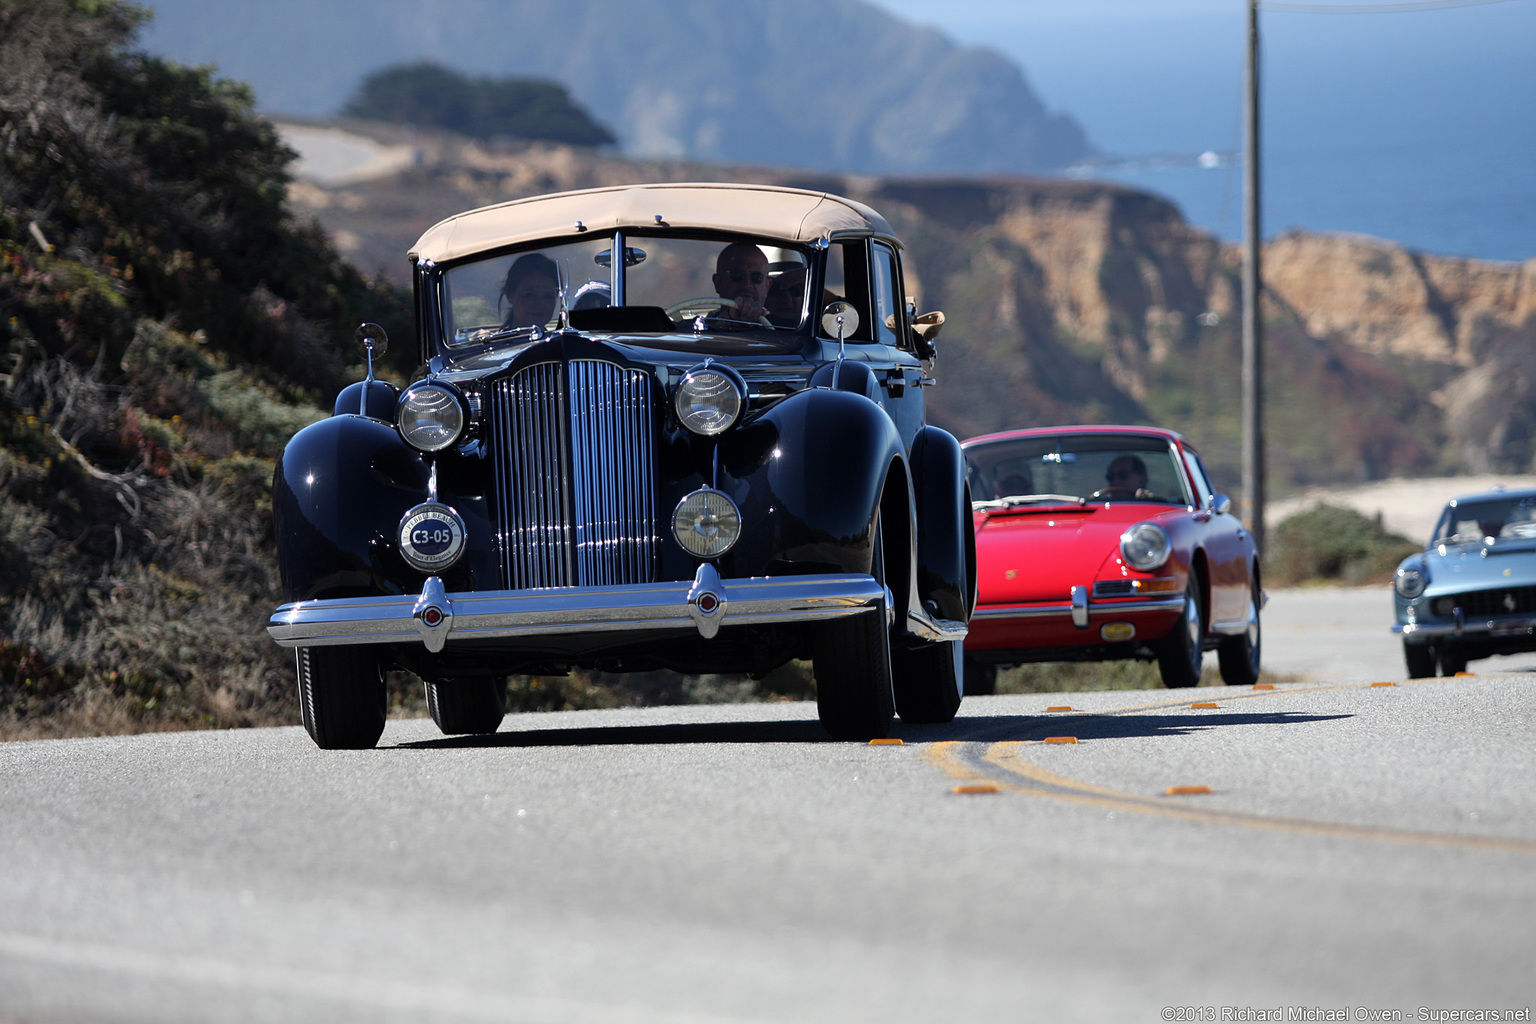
(669, 284)
(1486, 522)
(1075, 468)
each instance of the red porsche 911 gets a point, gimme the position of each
(1095, 543)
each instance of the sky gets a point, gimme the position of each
(1413, 125)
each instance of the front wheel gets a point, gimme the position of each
(929, 682)
(1238, 656)
(341, 696)
(852, 665)
(1420, 659)
(467, 706)
(1452, 661)
(1181, 654)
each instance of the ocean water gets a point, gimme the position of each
(1415, 126)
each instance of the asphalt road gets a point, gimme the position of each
(1368, 848)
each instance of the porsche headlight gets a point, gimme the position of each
(1410, 583)
(430, 417)
(706, 523)
(709, 400)
(1145, 546)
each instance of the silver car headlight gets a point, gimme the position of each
(1145, 546)
(1410, 583)
(706, 523)
(709, 400)
(430, 416)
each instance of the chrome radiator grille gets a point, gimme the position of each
(575, 475)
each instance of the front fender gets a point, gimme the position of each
(339, 490)
(946, 540)
(819, 483)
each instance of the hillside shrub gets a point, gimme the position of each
(1335, 544)
(429, 94)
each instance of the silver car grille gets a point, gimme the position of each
(575, 475)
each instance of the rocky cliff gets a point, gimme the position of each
(1072, 301)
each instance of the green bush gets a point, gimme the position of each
(425, 93)
(1331, 543)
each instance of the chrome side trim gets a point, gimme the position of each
(1064, 609)
(499, 614)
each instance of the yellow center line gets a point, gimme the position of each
(1008, 756)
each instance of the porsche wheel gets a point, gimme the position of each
(1180, 654)
(980, 680)
(467, 706)
(1420, 659)
(1238, 656)
(852, 665)
(341, 697)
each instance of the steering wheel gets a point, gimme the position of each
(1111, 494)
(706, 305)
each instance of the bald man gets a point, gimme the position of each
(741, 278)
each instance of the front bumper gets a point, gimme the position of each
(704, 605)
(1515, 625)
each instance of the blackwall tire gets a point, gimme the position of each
(1420, 659)
(1181, 654)
(928, 682)
(341, 696)
(463, 707)
(980, 680)
(852, 664)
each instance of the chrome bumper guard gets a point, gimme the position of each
(708, 602)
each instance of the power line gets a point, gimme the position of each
(1384, 7)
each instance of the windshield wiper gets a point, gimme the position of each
(1017, 500)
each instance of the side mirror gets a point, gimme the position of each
(840, 319)
(372, 338)
(1221, 504)
(925, 329)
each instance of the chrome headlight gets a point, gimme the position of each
(430, 416)
(1145, 546)
(710, 400)
(1410, 583)
(706, 523)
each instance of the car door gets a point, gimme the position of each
(896, 365)
(1226, 547)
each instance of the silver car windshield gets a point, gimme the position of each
(1077, 468)
(669, 284)
(1487, 521)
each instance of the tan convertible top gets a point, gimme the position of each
(767, 211)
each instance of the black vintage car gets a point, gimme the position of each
(668, 426)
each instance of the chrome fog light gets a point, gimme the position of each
(431, 537)
(430, 417)
(706, 523)
(709, 400)
(1444, 607)
(1145, 546)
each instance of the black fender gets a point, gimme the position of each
(946, 541)
(338, 493)
(809, 475)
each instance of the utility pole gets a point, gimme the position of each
(1253, 353)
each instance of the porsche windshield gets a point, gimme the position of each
(669, 284)
(1487, 521)
(1075, 468)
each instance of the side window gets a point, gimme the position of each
(1201, 479)
(847, 278)
(887, 281)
